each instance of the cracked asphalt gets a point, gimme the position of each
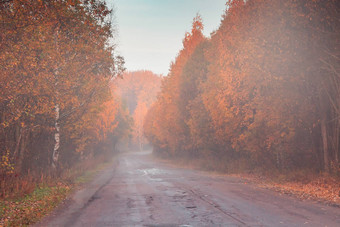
(141, 191)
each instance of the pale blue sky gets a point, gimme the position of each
(151, 31)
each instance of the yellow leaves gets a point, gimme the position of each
(5, 166)
(31, 208)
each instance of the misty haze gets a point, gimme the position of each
(164, 113)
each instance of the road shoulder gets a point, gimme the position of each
(69, 209)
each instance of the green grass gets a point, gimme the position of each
(88, 175)
(29, 209)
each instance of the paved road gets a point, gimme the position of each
(144, 192)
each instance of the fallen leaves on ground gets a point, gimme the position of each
(322, 188)
(26, 211)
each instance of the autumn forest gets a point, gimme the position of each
(261, 94)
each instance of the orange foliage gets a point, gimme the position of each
(258, 92)
(167, 131)
(55, 54)
(138, 90)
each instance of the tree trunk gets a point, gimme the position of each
(140, 138)
(19, 152)
(325, 144)
(21, 156)
(55, 155)
(277, 159)
(18, 135)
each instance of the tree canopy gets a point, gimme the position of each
(261, 92)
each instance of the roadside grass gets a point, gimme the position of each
(29, 209)
(88, 175)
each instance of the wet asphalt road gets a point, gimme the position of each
(144, 192)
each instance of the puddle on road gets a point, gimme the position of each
(152, 171)
(166, 225)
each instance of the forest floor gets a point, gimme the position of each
(29, 209)
(322, 188)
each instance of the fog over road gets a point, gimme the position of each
(144, 192)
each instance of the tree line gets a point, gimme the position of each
(57, 63)
(138, 90)
(261, 93)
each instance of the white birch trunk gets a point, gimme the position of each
(55, 155)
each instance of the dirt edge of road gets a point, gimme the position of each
(323, 189)
(82, 195)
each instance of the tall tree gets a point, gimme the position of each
(263, 89)
(138, 90)
(57, 59)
